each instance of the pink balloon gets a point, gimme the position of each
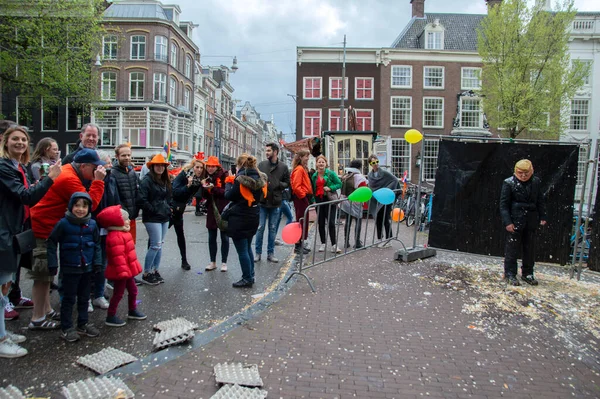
(291, 233)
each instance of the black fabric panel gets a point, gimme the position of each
(465, 213)
(594, 255)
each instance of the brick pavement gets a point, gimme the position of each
(374, 329)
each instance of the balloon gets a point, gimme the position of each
(291, 233)
(361, 194)
(397, 214)
(413, 136)
(385, 196)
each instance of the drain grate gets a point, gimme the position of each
(238, 373)
(105, 360)
(98, 388)
(238, 392)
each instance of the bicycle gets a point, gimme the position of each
(583, 238)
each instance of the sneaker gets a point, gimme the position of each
(136, 315)
(358, 245)
(137, 281)
(53, 315)
(158, 277)
(70, 335)
(271, 258)
(297, 250)
(114, 321)
(24, 303)
(336, 249)
(101, 303)
(88, 330)
(384, 244)
(211, 266)
(16, 338)
(10, 350)
(109, 285)
(149, 279)
(322, 248)
(185, 265)
(307, 245)
(223, 267)
(257, 258)
(512, 280)
(90, 306)
(243, 284)
(10, 313)
(279, 243)
(529, 279)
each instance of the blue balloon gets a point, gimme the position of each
(385, 196)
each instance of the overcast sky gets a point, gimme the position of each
(263, 34)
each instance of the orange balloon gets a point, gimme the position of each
(397, 214)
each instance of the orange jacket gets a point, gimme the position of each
(301, 185)
(53, 205)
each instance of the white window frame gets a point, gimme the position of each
(139, 45)
(434, 39)
(161, 48)
(464, 79)
(392, 109)
(431, 148)
(54, 111)
(172, 91)
(338, 78)
(582, 163)
(186, 98)
(583, 118)
(112, 86)
(405, 159)
(111, 44)
(400, 76)
(356, 89)
(331, 117)
(137, 96)
(173, 61)
(312, 78)
(160, 80)
(462, 111)
(304, 110)
(188, 66)
(426, 76)
(370, 117)
(440, 111)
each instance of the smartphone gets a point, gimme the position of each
(190, 173)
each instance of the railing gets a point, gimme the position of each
(583, 25)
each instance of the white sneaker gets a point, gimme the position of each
(90, 307)
(322, 248)
(8, 349)
(101, 303)
(384, 244)
(16, 338)
(223, 267)
(336, 249)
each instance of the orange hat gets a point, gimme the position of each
(158, 159)
(213, 161)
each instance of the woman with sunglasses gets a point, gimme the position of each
(379, 178)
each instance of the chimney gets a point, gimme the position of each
(418, 8)
(493, 3)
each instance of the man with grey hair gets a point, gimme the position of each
(88, 138)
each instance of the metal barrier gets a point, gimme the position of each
(316, 258)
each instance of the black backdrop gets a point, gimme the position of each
(465, 214)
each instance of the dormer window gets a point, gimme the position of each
(434, 36)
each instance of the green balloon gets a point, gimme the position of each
(361, 194)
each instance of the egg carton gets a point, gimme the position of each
(174, 323)
(98, 388)
(237, 392)
(11, 392)
(106, 360)
(238, 373)
(172, 336)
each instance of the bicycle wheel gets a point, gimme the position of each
(410, 220)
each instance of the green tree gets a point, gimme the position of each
(48, 49)
(528, 78)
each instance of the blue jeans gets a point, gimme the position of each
(156, 238)
(243, 247)
(4, 278)
(76, 290)
(273, 214)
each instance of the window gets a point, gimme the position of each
(433, 77)
(433, 112)
(25, 110)
(582, 163)
(186, 99)
(109, 86)
(470, 79)
(429, 160)
(312, 88)
(49, 115)
(172, 91)
(335, 88)
(401, 111)
(312, 122)
(471, 114)
(402, 76)
(579, 115)
(138, 47)
(334, 119)
(188, 67)
(363, 89)
(136, 86)
(435, 41)
(400, 157)
(174, 55)
(160, 48)
(160, 87)
(109, 45)
(587, 78)
(75, 113)
(364, 120)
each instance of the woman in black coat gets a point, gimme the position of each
(187, 183)
(244, 192)
(16, 196)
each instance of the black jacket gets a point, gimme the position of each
(127, 187)
(13, 197)
(522, 204)
(244, 218)
(181, 192)
(278, 176)
(69, 157)
(110, 196)
(155, 201)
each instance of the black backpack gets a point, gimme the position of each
(348, 183)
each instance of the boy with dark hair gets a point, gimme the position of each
(78, 238)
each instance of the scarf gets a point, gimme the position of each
(383, 179)
(78, 221)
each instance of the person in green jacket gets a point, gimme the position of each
(325, 186)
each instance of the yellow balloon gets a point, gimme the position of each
(413, 136)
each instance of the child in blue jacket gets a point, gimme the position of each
(78, 238)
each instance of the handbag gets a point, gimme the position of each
(334, 195)
(222, 218)
(24, 242)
